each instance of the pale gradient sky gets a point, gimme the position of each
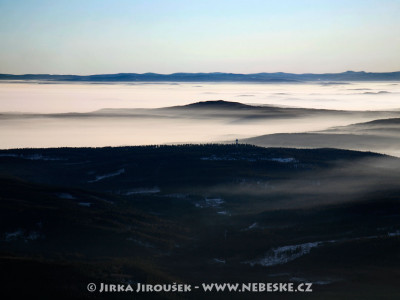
(163, 36)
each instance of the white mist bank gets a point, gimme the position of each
(95, 131)
(86, 97)
(46, 132)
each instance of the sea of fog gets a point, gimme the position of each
(53, 98)
(42, 97)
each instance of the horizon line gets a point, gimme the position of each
(215, 72)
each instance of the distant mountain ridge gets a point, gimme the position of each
(212, 77)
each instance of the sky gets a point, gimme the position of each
(167, 36)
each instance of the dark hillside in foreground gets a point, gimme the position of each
(199, 213)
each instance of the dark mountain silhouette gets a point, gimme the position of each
(215, 105)
(381, 135)
(390, 121)
(327, 78)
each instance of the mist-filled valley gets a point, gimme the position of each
(51, 114)
(191, 150)
(145, 183)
